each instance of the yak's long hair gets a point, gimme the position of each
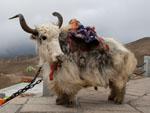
(71, 77)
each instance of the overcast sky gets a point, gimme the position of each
(125, 20)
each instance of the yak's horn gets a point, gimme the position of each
(60, 18)
(24, 25)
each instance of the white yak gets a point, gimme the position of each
(105, 70)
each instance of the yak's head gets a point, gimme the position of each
(47, 37)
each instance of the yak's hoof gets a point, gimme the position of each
(69, 104)
(60, 101)
(65, 102)
(111, 98)
(118, 100)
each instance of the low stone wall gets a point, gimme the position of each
(147, 66)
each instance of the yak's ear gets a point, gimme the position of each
(33, 37)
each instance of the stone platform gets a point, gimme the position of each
(137, 100)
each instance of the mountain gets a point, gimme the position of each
(140, 48)
(17, 49)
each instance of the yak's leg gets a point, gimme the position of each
(119, 97)
(117, 90)
(64, 99)
(112, 91)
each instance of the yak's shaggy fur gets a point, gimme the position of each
(96, 69)
(70, 78)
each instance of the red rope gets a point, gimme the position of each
(52, 68)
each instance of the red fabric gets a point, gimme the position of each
(101, 40)
(52, 68)
(69, 42)
(107, 47)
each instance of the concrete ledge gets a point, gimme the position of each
(46, 109)
(88, 101)
(42, 100)
(10, 108)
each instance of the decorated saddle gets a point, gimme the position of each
(85, 36)
(85, 39)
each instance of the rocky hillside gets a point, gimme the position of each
(18, 64)
(140, 48)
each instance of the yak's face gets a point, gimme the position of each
(48, 46)
(46, 36)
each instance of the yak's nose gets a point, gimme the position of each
(59, 57)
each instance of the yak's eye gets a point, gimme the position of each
(44, 37)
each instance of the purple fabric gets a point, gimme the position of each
(85, 33)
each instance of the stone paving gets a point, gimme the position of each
(137, 100)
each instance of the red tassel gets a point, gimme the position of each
(107, 47)
(52, 68)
